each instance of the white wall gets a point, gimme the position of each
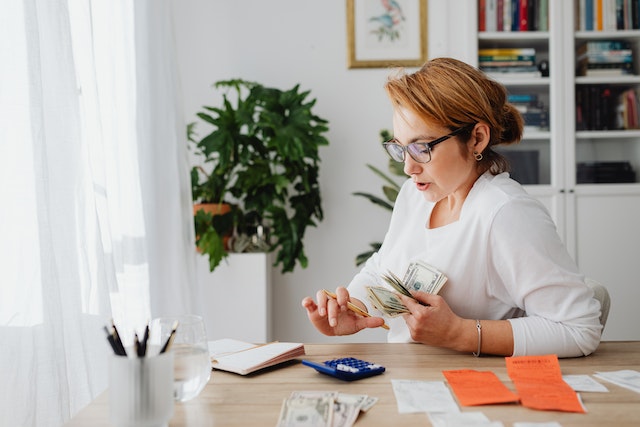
(283, 42)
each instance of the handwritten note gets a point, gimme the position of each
(478, 387)
(539, 382)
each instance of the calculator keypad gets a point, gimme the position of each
(346, 368)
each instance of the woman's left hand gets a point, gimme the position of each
(433, 323)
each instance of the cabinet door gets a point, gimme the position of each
(603, 160)
(596, 212)
(608, 250)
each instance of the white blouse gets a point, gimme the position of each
(504, 260)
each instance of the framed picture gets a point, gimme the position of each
(386, 33)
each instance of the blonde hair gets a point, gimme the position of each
(453, 94)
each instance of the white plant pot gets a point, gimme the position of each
(237, 297)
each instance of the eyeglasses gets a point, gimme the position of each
(419, 151)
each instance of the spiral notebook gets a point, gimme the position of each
(244, 358)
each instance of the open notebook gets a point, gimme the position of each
(243, 358)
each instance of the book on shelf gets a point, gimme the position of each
(607, 15)
(522, 98)
(513, 15)
(592, 46)
(516, 62)
(601, 107)
(507, 51)
(512, 72)
(244, 358)
(604, 58)
(605, 70)
(604, 172)
(628, 110)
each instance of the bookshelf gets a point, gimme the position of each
(596, 217)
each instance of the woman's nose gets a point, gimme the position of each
(411, 167)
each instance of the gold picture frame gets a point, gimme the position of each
(386, 33)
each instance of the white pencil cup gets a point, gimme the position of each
(141, 390)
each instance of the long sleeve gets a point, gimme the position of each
(530, 266)
(504, 261)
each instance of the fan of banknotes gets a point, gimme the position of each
(323, 408)
(419, 276)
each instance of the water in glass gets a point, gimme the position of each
(192, 366)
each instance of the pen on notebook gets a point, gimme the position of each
(167, 344)
(353, 307)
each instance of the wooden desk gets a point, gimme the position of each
(255, 400)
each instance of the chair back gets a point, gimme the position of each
(601, 294)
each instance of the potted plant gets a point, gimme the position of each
(261, 159)
(390, 192)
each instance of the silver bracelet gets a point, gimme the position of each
(479, 327)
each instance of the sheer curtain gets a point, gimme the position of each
(95, 218)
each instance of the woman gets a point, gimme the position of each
(512, 287)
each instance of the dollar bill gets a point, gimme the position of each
(346, 407)
(396, 283)
(419, 276)
(386, 301)
(423, 277)
(306, 411)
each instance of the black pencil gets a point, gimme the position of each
(116, 337)
(167, 344)
(143, 344)
(112, 342)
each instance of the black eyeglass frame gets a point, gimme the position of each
(426, 146)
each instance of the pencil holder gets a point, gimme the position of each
(141, 390)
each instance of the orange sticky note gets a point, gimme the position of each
(478, 387)
(539, 382)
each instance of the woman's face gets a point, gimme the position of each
(452, 168)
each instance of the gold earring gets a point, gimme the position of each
(477, 155)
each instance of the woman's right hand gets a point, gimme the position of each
(332, 317)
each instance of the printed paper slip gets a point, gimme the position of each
(539, 382)
(473, 387)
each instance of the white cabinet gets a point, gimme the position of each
(600, 222)
(236, 297)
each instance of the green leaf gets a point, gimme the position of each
(361, 258)
(375, 200)
(382, 175)
(211, 244)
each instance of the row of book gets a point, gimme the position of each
(607, 15)
(604, 58)
(509, 62)
(601, 107)
(513, 15)
(534, 112)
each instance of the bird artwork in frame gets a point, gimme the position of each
(386, 33)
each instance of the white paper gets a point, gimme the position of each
(423, 396)
(529, 424)
(626, 378)
(584, 383)
(224, 346)
(462, 419)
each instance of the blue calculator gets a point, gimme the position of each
(346, 368)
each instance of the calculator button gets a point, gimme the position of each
(346, 368)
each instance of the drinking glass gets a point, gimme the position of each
(192, 366)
